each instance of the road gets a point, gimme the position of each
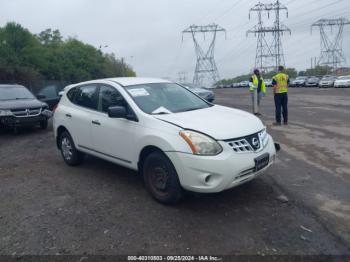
(300, 206)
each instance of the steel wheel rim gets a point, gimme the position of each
(66, 147)
(159, 177)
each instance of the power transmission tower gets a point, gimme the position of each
(205, 65)
(182, 77)
(269, 56)
(332, 54)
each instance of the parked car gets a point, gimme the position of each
(342, 81)
(202, 92)
(327, 81)
(50, 95)
(312, 81)
(244, 84)
(174, 138)
(292, 82)
(300, 81)
(235, 85)
(19, 107)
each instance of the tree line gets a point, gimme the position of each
(28, 59)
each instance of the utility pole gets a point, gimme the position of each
(269, 56)
(183, 77)
(332, 54)
(205, 62)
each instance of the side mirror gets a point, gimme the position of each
(40, 96)
(117, 112)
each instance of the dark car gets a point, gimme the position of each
(312, 81)
(50, 95)
(202, 92)
(19, 107)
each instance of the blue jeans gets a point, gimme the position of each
(281, 102)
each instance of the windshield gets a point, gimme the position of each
(165, 98)
(13, 93)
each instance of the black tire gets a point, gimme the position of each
(70, 154)
(161, 179)
(44, 124)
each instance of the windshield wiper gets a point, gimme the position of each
(160, 113)
(193, 109)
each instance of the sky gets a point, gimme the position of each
(147, 33)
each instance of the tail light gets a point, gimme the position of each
(54, 108)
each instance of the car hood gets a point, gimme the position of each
(20, 104)
(218, 122)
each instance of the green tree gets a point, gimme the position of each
(49, 37)
(27, 58)
(318, 70)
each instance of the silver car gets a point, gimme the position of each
(327, 81)
(342, 81)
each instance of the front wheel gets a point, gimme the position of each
(70, 154)
(161, 179)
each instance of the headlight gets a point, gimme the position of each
(5, 112)
(201, 144)
(264, 138)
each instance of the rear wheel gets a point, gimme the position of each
(70, 154)
(161, 179)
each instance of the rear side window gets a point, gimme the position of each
(85, 96)
(71, 94)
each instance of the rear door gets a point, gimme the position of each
(79, 116)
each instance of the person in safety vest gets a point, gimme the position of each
(257, 83)
(280, 84)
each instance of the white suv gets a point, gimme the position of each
(174, 138)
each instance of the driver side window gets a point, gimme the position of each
(109, 96)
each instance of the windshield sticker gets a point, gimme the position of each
(138, 92)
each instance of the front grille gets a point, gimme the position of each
(252, 143)
(26, 112)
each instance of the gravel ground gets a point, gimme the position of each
(299, 207)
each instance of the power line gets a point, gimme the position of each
(331, 47)
(205, 66)
(269, 56)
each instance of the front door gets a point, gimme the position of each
(114, 137)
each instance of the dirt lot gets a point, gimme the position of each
(47, 207)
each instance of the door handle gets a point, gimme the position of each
(95, 122)
(69, 115)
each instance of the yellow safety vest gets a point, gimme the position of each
(256, 83)
(282, 83)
